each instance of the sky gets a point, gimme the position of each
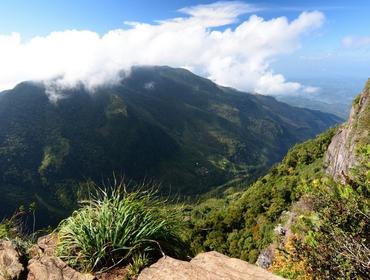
(257, 46)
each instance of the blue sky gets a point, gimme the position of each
(339, 46)
(40, 17)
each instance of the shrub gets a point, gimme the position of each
(112, 227)
(338, 245)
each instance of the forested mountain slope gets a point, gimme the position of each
(158, 123)
(309, 217)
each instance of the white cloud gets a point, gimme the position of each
(237, 57)
(356, 42)
(310, 89)
(219, 13)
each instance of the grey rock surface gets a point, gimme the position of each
(266, 257)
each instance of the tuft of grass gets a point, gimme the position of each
(11, 227)
(113, 226)
(139, 261)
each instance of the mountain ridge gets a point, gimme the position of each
(158, 123)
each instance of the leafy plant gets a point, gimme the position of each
(113, 227)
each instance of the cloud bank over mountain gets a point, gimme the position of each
(201, 40)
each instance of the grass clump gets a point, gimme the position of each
(7, 228)
(139, 261)
(11, 227)
(111, 228)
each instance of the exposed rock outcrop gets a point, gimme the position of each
(341, 156)
(45, 246)
(44, 265)
(10, 265)
(205, 266)
(266, 257)
(47, 267)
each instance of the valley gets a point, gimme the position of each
(182, 132)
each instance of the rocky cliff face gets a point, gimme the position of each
(342, 154)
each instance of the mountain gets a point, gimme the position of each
(308, 217)
(159, 123)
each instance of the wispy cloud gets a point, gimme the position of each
(310, 8)
(226, 12)
(237, 57)
(355, 41)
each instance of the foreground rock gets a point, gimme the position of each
(47, 267)
(10, 265)
(44, 265)
(205, 266)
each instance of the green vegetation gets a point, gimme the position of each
(14, 226)
(53, 156)
(331, 238)
(139, 261)
(329, 222)
(210, 143)
(120, 228)
(183, 131)
(241, 225)
(325, 224)
(9, 228)
(356, 100)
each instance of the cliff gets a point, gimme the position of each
(342, 154)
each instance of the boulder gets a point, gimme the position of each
(205, 266)
(44, 265)
(169, 268)
(45, 246)
(10, 265)
(53, 268)
(48, 243)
